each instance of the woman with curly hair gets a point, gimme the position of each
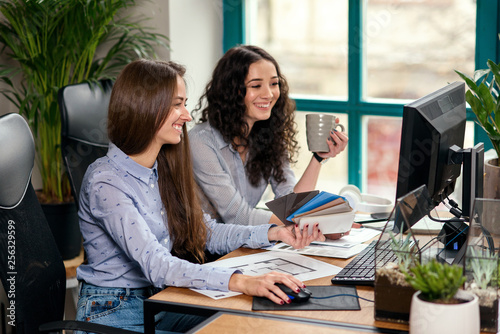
(246, 138)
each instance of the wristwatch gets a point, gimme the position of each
(320, 159)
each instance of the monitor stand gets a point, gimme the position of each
(472, 160)
(472, 181)
(452, 256)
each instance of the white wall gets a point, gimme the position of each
(196, 41)
(156, 13)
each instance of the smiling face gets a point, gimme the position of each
(262, 85)
(171, 130)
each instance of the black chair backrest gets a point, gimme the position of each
(31, 269)
(84, 114)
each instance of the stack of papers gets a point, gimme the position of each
(331, 212)
(343, 248)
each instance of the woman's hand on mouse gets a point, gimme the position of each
(293, 236)
(265, 285)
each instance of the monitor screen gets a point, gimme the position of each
(431, 125)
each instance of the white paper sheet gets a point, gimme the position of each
(322, 250)
(356, 236)
(342, 248)
(302, 267)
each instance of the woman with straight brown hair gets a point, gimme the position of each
(140, 217)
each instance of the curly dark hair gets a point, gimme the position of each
(271, 142)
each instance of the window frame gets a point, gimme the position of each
(487, 47)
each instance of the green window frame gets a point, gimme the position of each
(487, 47)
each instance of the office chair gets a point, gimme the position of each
(31, 269)
(84, 113)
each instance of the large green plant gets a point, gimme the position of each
(484, 99)
(54, 43)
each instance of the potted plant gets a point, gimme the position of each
(53, 43)
(392, 292)
(484, 100)
(482, 269)
(439, 306)
(482, 262)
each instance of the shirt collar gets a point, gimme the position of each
(221, 143)
(126, 163)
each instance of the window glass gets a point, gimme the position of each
(413, 46)
(381, 154)
(410, 49)
(308, 38)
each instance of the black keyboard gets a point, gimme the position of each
(361, 270)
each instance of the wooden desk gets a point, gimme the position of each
(222, 323)
(190, 302)
(72, 264)
(72, 285)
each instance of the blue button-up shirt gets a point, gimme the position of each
(127, 243)
(220, 173)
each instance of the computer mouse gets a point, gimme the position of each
(296, 297)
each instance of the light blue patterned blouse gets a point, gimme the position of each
(220, 173)
(125, 238)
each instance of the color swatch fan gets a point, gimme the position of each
(332, 212)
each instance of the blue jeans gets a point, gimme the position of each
(123, 308)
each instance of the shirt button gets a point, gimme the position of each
(152, 186)
(162, 213)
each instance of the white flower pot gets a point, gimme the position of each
(433, 318)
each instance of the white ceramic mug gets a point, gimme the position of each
(318, 127)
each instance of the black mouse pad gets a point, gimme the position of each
(346, 299)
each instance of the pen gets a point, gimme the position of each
(361, 222)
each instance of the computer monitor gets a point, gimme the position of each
(432, 138)
(431, 126)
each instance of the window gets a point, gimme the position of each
(309, 42)
(413, 46)
(363, 60)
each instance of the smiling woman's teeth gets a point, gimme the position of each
(263, 105)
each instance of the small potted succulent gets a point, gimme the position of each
(482, 260)
(392, 292)
(439, 305)
(482, 267)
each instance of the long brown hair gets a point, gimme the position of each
(270, 141)
(140, 102)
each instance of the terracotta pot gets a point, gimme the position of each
(432, 318)
(491, 179)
